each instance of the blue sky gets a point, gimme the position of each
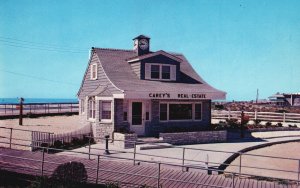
(237, 46)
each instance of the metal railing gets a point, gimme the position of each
(158, 178)
(209, 166)
(10, 109)
(183, 162)
(263, 116)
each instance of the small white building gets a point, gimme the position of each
(143, 91)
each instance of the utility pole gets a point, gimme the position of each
(242, 124)
(256, 96)
(21, 111)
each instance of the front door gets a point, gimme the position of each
(137, 119)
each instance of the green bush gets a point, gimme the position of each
(268, 124)
(57, 144)
(72, 174)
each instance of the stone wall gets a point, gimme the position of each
(194, 137)
(124, 141)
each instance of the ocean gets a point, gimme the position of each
(37, 100)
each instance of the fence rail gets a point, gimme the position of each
(263, 116)
(45, 165)
(38, 108)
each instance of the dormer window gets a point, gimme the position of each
(94, 71)
(165, 72)
(155, 71)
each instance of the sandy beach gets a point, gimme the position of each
(54, 124)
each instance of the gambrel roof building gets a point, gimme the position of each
(143, 91)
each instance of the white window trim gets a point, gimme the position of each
(111, 111)
(92, 70)
(82, 106)
(160, 72)
(182, 120)
(92, 119)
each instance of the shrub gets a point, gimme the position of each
(75, 141)
(57, 144)
(268, 124)
(279, 124)
(44, 144)
(112, 185)
(70, 174)
(257, 122)
(232, 123)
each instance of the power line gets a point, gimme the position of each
(39, 46)
(39, 78)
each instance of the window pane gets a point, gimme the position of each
(198, 114)
(180, 111)
(165, 72)
(163, 112)
(155, 71)
(82, 105)
(94, 108)
(106, 110)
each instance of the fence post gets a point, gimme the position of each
(43, 158)
(233, 180)
(89, 147)
(98, 160)
(255, 115)
(12, 109)
(298, 182)
(106, 145)
(284, 117)
(209, 172)
(134, 153)
(158, 176)
(10, 138)
(48, 145)
(229, 114)
(240, 166)
(183, 153)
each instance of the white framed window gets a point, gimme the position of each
(105, 110)
(180, 111)
(92, 108)
(155, 71)
(82, 105)
(94, 71)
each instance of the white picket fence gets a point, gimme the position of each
(37, 138)
(263, 116)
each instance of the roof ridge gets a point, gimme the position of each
(113, 49)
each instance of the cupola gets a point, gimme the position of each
(141, 45)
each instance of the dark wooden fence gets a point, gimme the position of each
(38, 109)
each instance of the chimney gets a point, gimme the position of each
(141, 45)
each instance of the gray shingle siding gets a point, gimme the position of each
(136, 68)
(89, 85)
